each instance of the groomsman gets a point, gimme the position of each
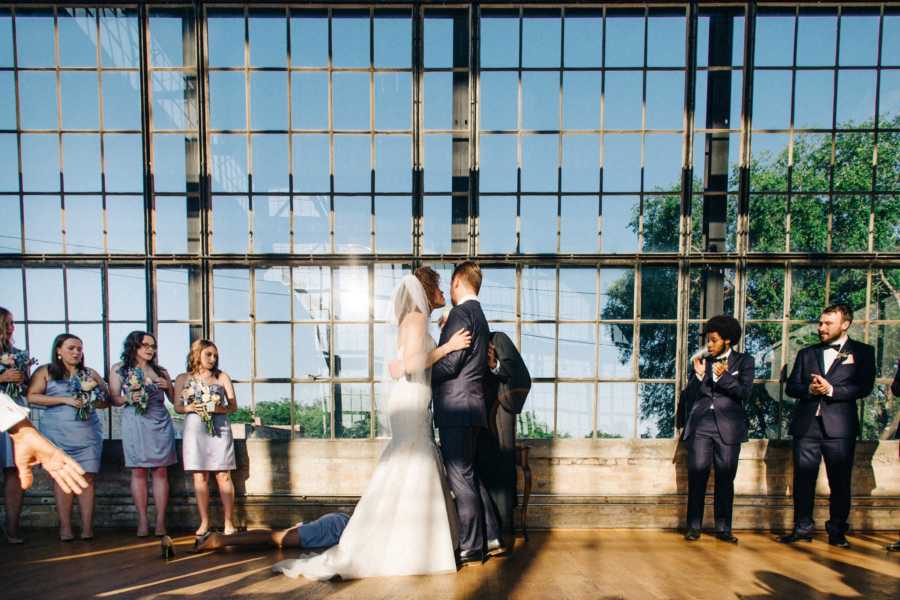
(715, 424)
(827, 380)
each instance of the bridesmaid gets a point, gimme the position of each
(148, 439)
(81, 439)
(205, 453)
(13, 487)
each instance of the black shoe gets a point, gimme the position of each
(895, 547)
(692, 535)
(726, 536)
(469, 557)
(495, 547)
(839, 540)
(795, 536)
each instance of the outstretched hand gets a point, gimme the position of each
(31, 448)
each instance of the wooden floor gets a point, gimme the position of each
(556, 565)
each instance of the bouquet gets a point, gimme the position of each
(135, 388)
(204, 401)
(85, 389)
(20, 361)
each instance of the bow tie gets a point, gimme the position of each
(720, 359)
(836, 347)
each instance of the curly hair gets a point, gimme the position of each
(193, 357)
(6, 317)
(130, 347)
(727, 327)
(430, 280)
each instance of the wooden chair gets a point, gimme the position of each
(522, 462)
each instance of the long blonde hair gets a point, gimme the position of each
(193, 358)
(6, 317)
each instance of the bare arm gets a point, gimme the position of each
(225, 382)
(115, 386)
(412, 335)
(103, 387)
(180, 406)
(38, 386)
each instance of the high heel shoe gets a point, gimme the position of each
(201, 539)
(167, 547)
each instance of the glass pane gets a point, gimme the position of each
(311, 163)
(577, 350)
(351, 344)
(309, 93)
(658, 292)
(622, 163)
(767, 218)
(619, 223)
(538, 293)
(538, 219)
(807, 293)
(230, 224)
(309, 38)
(499, 39)
(616, 351)
(84, 293)
(227, 100)
(173, 338)
(765, 293)
(270, 163)
(497, 224)
(169, 29)
(352, 224)
(623, 100)
(268, 38)
(771, 99)
(887, 223)
(11, 280)
(172, 300)
(665, 90)
(616, 410)
(768, 163)
(393, 224)
(231, 294)
(225, 32)
(350, 37)
(127, 294)
(268, 100)
(576, 407)
(273, 351)
(122, 100)
(808, 215)
(853, 156)
(34, 38)
(763, 342)
(6, 46)
(662, 162)
(84, 224)
(657, 352)
(581, 100)
(170, 163)
(229, 163)
(393, 163)
(312, 293)
(393, 101)
(352, 166)
(498, 163)
(812, 162)
(119, 38)
(439, 100)
(10, 227)
(536, 419)
(541, 33)
(539, 349)
(126, 224)
(351, 293)
(665, 41)
(438, 41)
(37, 100)
(850, 223)
(657, 410)
(774, 44)
(80, 104)
(9, 163)
(890, 40)
(816, 38)
(81, 163)
(313, 410)
(124, 163)
(584, 39)
(40, 163)
(393, 40)
(233, 342)
(171, 224)
(311, 355)
(497, 295)
(813, 99)
(624, 39)
(855, 99)
(311, 224)
(271, 224)
(499, 100)
(540, 156)
(661, 215)
(43, 224)
(578, 224)
(436, 224)
(352, 410)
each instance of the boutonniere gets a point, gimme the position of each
(845, 358)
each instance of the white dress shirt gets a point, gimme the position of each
(10, 412)
(828, 357)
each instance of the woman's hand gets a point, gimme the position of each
(460, 340)
(73, 401)
(12, 376)
(396, 369)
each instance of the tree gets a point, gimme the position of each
(769, 212)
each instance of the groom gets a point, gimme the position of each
(460, 412)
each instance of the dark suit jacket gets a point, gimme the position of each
(895, 385)
(513, 381)
(726, 396)
(458, 379)
(851, 382)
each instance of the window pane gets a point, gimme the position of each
(119, 38)
(498, 294)
(623, 99)
(541, 34)
(855, 99)
(497, 224)
(499, 100)
(351, 293)
(231, 289)
(84, 293)
(226, 100)
(438, 163)
(312, 293)
(661, 217)
(393, 163)
(352, 224)
(172, 294)
(352, 167)
(768, 163)
(124, 163)
(581, 100)
(310, 97)
(771, 99)
(225, 32)
(270, 163)
(309, 38)
(34, 38)
(80, 105)
(657, 352)
(539, 349)
(538, 293)
(665, 41)
(126, 224)
(578, 227)
(10, 227)
(311, 355)
(229, 163)
(351, 350)
(576, 406)
(657, 410)
(233, 342)
(577, 348)
(40, 163)
(538, 219)
(498, 163)
(84, 224)
(313, 410)
(173, 340)
(9, 163)
(439, 100)
(127, 294)
(619, 223)
(230, 225)
(616, 351)
(350, 36)
(816, 37)
(43, 224)
(662, 162)
(273, 351)
(268, 38)
(622, 163)
(615, 410)
(499, 39)
(37, 100)
(81, 163)
(774, 43)
(665, 91)
(624, 39)
(658, 292)
(539, 163)
(393, 100)
(584, 39)
(170, 163)
(393, 224)
(859, 40)
(311, 224)
(268, 100)
(167, 37)
(765, 293)
(393, 40)
(311, 163)
(536, 418)
(438, 41)
(122, 100)
(171, 224)
(271, 224)
(813, 99)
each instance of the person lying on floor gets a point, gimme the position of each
(322, 533)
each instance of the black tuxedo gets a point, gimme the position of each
(460, 413)
(830, 433)
(715, 424)
(507, 391)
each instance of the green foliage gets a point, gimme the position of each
(529, 426)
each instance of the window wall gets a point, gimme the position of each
(265, 176)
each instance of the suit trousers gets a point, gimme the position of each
(705, 449)
(497, 466)
(809, 449)
(459, 447)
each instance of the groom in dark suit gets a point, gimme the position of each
(827, 380)
(460, 412)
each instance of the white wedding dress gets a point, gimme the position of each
(405, 522)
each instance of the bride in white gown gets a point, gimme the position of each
(405, 522)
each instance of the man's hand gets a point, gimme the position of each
(31, 448)
(819, 386)
(719, 368)
(492, 356)
(699, 367)
(396, 369)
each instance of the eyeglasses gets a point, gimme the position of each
(148, 346)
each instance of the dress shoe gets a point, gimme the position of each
(839, 540)
(895, 547)
(496, 548)
(470, 557)
(795, 536)
(726, 536)
(692, 535)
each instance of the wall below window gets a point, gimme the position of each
(577, 484)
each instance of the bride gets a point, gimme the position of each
(405, 522)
